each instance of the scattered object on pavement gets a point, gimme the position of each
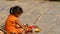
(27, 28)
(2, 8)
(37, 30)
(32, 28)
(2, 31)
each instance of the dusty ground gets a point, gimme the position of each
(49, 12)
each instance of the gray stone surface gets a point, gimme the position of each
(49, 12)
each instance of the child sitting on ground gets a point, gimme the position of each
(12, 21)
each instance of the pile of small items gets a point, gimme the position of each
(31, 28)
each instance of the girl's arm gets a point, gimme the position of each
(17, 22)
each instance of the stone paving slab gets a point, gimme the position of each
(49, 12)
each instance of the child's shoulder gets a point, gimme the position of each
(12, 17)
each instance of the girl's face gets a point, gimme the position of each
(17, 15)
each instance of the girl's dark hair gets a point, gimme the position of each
(16, 9)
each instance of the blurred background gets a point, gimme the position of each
(47, 13)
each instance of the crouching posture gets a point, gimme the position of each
(12, 21)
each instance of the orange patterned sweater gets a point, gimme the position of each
(10, 25)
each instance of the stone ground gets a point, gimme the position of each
(47, 13)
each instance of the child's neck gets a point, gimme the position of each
(13, 15)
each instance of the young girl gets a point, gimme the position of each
(12, 21)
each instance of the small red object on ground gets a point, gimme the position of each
(31, 26)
